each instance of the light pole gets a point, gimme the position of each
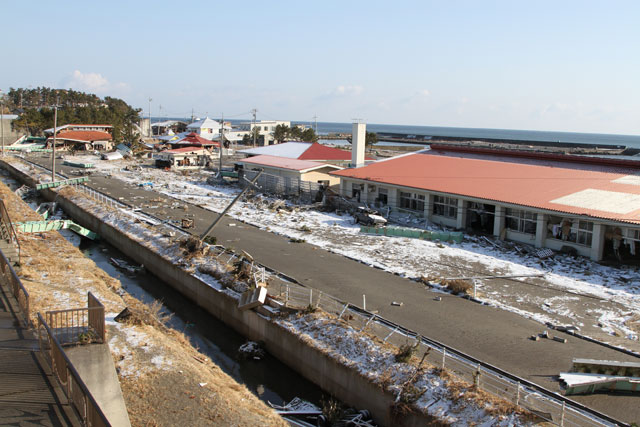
(53, 151)
(149, 134)
(2, 119)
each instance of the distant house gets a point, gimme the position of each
(302, 170)
(184, 158)
(168, 127)
(80, 127)
(265, 129)
(83, 140)
(206, 128)
(311, 151)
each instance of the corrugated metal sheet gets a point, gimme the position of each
(528, 182)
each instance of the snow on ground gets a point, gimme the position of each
(357, 350)
(600, 300)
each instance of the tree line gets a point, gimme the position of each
(36, 112)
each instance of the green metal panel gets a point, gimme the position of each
(61, 183)
(54, 225)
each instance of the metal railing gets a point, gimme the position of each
(74, 388)
(10, 277)
(78, 325)
(7, 230)
(547, 405)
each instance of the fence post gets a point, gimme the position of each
(318, 301)
(562, 415)
(476, 379)
(310, 297)
(343, 310)
(444, 356)
(286, 301)
(518, 393)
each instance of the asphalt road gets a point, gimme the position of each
(495, 336)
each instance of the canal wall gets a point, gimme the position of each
(344, 383)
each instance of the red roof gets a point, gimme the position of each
(322, 152)
(185, 150)
(196, 140)
(84, 135)
(285, 163)
(597, 190)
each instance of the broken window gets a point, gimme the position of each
(521, 221)
(412, 201)
(445, 206)
(356, 190)
(585, 233)
(383, 196)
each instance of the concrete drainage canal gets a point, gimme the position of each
(268, 378)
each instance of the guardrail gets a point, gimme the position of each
(10, 277)
(7, 230)
(74, 388)
(552, 407)
(78, 325)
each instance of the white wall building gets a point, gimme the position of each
(206, 128)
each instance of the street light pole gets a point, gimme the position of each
(53, 152)
(149, 133)
(2, 120)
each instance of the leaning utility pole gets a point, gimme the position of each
(224, 212)
(253, 123)
(55, 131)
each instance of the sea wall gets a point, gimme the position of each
(344, 383)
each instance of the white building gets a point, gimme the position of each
(265, 129)
(206, 128)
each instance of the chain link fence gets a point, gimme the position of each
(285, 186)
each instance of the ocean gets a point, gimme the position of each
(630, 141)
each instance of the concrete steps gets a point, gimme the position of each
(10, 251)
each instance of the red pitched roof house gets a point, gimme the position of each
(545, 200)
(84, 139)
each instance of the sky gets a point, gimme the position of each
(541, 65)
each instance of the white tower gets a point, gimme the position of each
(358, 135)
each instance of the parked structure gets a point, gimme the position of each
(206, 128)
(184, 158)
(302, 170)
(80, 127)
(311, 151)
(589, 204)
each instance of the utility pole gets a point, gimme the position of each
(192, 115)
(53, 151)
(316, 120)
(254, 111)
(2, 119)
(221, 147)
(149, 135)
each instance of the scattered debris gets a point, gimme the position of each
(251, 350)
(534, 337)
(397, 304)
(252, 298)
(544, 253)
(437, 299)
(560, 339)
(186, 223)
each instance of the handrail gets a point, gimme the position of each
(18, 289)
(88, 409)
(6, 221)
(82, 325)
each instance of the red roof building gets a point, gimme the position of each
(194, 140)
(87, 139)
(305, 151)
(546, 200)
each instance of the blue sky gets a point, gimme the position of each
(544, 65)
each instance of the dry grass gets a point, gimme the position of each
(457, 287)
(633, 323)
(58, 276)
